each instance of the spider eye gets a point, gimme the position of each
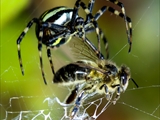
(79, 21)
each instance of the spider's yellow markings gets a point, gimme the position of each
(57, 41)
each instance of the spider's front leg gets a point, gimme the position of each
(126, 20)
(81, 4)
(90, 8)
(90, 27)
(20, 38)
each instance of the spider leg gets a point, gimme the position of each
(79, 26)
(98, 53)
(122, 15)
(100, 12)
(129, 32)
(40, 49)
(48, 25)
(34, 20)
(95, 24)
(50, 59)
(75, 12)
(105, 41)
(103, 37)
(43, 25)
(90, 7)
(116, 12)
(40, 53)
(127, 21)
(96, 17)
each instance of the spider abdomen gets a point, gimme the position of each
(59, 17)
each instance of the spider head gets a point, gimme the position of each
(79, 26)
(79, 22)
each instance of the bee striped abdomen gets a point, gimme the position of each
(70, 74)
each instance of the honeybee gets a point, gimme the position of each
(92, 75)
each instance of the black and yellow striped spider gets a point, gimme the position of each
(57, 26)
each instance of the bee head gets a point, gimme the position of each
(124, 77)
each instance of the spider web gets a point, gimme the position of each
(26, 97)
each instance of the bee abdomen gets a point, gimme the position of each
(70, 73)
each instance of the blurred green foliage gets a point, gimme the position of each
(10, 9)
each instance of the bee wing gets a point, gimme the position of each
(84, 50)
(81, 64)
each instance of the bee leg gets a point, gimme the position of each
(108, 96)
(77, 104)
(117, 96)
(73, 94)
